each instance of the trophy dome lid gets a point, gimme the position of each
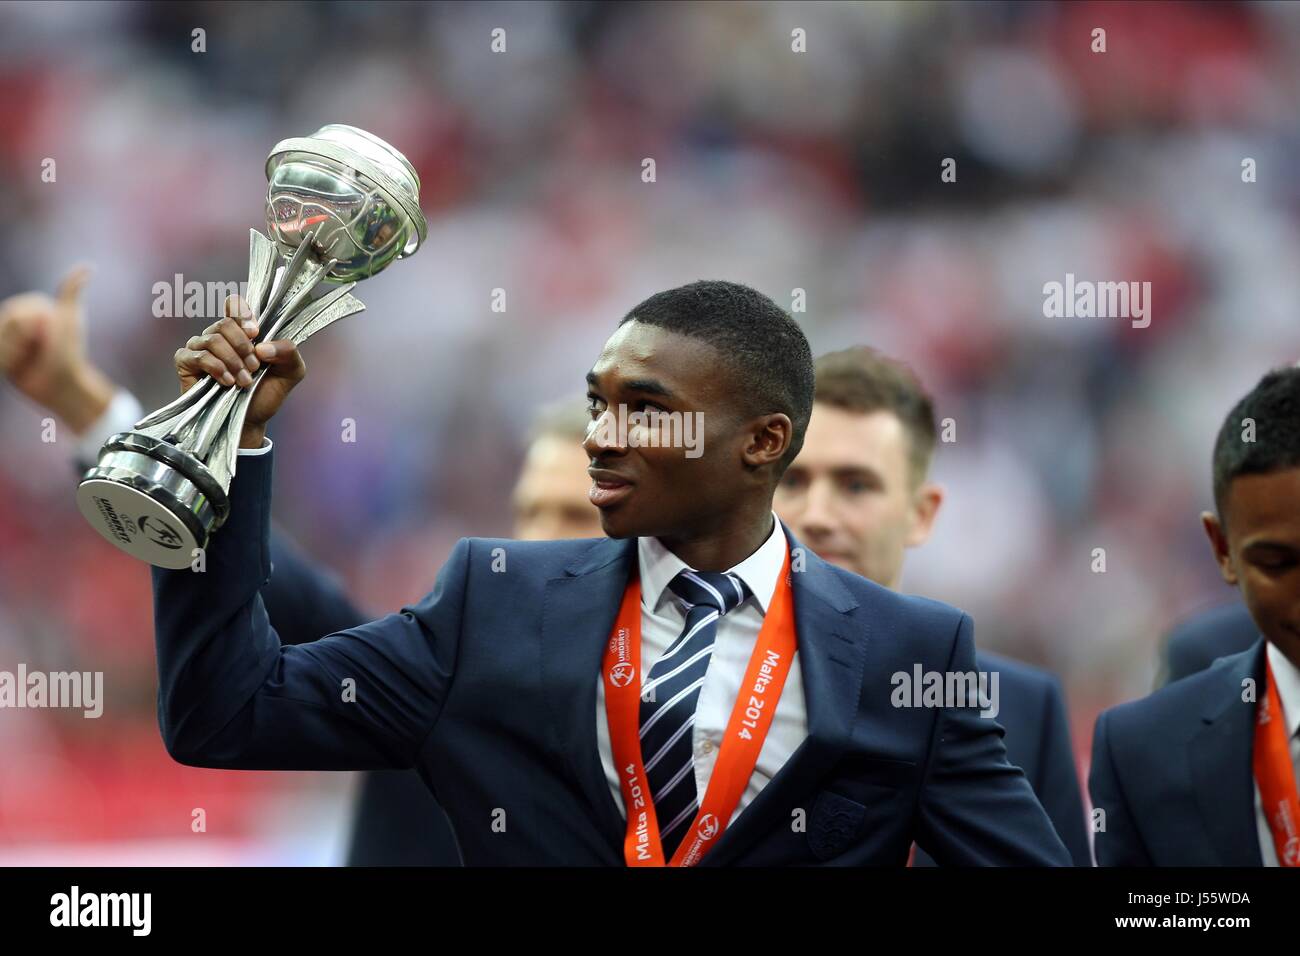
(369, 144)
(355, 149)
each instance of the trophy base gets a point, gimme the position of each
(152, 500)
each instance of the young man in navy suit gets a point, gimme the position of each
(1204, 771)
(698, 666)
(858, 495)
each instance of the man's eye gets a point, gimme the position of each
(1276, 564)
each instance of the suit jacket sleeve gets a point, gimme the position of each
(231, 695)
(303, 602)
(1119, 843)
(1058, 783)
(976, 809)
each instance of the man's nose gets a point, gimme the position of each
(603, 436)
(818, 516)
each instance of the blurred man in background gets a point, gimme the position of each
(550, 498)
(397, 821)
(1204, 772)
(1200, 640)
(858, 495)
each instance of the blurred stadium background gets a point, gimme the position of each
(816, 171)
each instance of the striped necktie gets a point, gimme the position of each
(669, 695)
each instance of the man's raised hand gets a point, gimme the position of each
(225, 352)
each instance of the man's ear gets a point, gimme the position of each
(925, 506)
(769, 437)
(1219, 546)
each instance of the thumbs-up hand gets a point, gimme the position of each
(43, 352)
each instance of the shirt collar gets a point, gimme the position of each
(1287, 677)
(759, 571)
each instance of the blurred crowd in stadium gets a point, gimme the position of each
(816, 171)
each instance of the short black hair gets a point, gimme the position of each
(762, 346)
(862, 380)
(1271, 411)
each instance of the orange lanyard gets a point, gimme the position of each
(751, 717)
(1275, 776)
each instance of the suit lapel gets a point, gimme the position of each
(579, 611)
(832, 656)
(1220, 754)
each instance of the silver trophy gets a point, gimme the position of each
(341, 205)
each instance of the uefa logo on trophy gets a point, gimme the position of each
(341, 205)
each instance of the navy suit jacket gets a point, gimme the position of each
(397, 822)
(1032, 712)
(1199, 641)
(1173, 772)
(488, 687)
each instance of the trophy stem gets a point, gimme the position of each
(297, 278)
(178, 405)
(175, 427)
(261, 273)
(303, 275)
(261, 269)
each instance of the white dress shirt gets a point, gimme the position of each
(1288, 692)
(662, 619)
(122, 413)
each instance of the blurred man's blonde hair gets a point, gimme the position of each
(565, 419)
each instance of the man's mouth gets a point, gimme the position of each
(607, 488)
